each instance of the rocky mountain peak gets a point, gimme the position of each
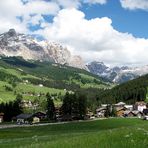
(17, 44)
(12, 32)
(97, 67)
(117, 74)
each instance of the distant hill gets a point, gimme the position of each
(129, 92)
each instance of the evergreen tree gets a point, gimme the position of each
(74, 105)
(107, 112)
(17, 107)
(113, 112)
(67, 104)
(82, 101)
(50, 108)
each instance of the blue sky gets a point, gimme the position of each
(135, 22)
(112, 31)
(123, 20)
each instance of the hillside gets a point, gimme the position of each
(129, 92)
(32, 78)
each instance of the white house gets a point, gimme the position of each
(129, 107)
(140, 106)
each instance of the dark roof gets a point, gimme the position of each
(40, 113)
(24, 116)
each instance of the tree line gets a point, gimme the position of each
(74, 106)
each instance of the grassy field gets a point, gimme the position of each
(109, 133)
(37, 89)
(6, 96)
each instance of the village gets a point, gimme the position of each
(119, 110)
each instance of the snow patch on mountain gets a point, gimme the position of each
(16, 44)
(117, 74)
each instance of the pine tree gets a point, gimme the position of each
(50, 108)
(17, 108)
(113, 112)
(82, 101)
(67, 104)
(107, 112)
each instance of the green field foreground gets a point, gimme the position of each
(108, 133)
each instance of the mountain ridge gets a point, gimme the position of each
(17, 44)
(117, 74)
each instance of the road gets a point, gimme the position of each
(4, 126)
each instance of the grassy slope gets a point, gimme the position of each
(7, 96)
(23, 70)
(110, 133)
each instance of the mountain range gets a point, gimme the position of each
(18, 44)
(117, 74)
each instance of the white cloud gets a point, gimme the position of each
(31, 12)
(95, 1)
(78, 3)
(95, 39)
(69, 3)
(135, 4)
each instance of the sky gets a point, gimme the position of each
(112, 31)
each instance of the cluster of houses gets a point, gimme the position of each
(139, 109)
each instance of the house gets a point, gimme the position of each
(40, 115)
(137, 113)
(120, 111)
(40, 85)
(24, 118)
(1, 117)
(140, 106)
(104, 105)
(100, 112)
(128, 113)
(129, 107)
(120, 104)
(27, 118)
(35, 120)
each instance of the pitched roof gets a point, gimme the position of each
(136, 112)
(141, 103)
(24, 116)
(120, 103)
(120, 108)
(100, 109)
(127, 112)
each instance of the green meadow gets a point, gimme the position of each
(107, 133)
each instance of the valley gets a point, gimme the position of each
(34, 78)
(73, 74)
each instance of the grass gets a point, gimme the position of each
(109, 133)
(6, 96)
(37, 89)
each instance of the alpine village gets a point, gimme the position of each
(71, 76)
